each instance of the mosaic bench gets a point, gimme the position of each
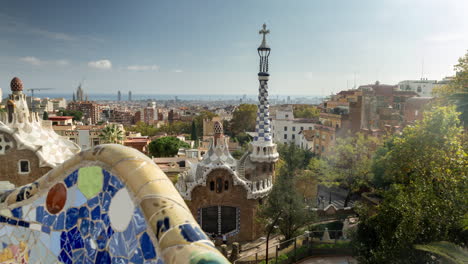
(110, 204)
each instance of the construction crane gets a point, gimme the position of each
(38, 89)
(32, 94)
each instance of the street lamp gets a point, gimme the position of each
(272, 227)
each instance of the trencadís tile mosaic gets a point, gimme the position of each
(87, 218)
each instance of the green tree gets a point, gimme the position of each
(45, 116)
(448, 251)
(111, 134)
(243, 118)
(306, 111)
(166, 146)
(144, 129)
(176, 128)
(193, 133)
(426, 199)
(456, 91)
(243, 138)
(284, 200)
(298, 158)
(349, 164)
(77, 115)
(203, 115)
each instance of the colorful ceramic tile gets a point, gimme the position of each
(121, 210)
(90, 181)
(56, 198)
(90, 216)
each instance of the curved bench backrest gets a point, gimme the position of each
(110, 204)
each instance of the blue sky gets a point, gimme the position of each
(209, 46)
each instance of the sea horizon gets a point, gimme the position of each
(165, 97)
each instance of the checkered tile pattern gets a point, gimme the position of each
(219, 155)
(262, 126)
(53, 148)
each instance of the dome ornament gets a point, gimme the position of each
(16, 85)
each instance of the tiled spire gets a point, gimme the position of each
(262, 147)
(263, 127)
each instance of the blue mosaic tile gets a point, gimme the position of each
(139, 221)
(83, 212)
(11, 221)
(93, 202)
(90, 249)
(117, 245)
(162, 226)
(119, 260)
(78, 256)
(96, 213)
(23, 223)
(191, 233)
(110, 231)
(71, 179)
(103, 258)
(82, 232)
(105, 182)
(17, 212)
(84, 227)
(80, 199)
(64, 257)
(99, 234)
(105, 218)
(39, 213)
(55, 243)
(60, 222)
(147, 247)
(137, 257)
(72, 217)
(48, 219)
(114, 181)
(45, 229)
(111, 190)
(75, 238)
(106, 202)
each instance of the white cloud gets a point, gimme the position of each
(32, 60)
(178, 71)
(37, 62)
(100, 64)
(143, 68)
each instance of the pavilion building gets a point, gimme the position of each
(223, 193)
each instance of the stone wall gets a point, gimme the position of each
(9, 168)
(235, 196)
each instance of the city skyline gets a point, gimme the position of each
(210, 48)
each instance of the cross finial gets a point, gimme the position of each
(264, 31)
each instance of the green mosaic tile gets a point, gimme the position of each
(90, 180)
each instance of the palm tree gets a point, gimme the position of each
(111, 134)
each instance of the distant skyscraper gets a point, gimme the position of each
(119, 96)
(129, 95)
